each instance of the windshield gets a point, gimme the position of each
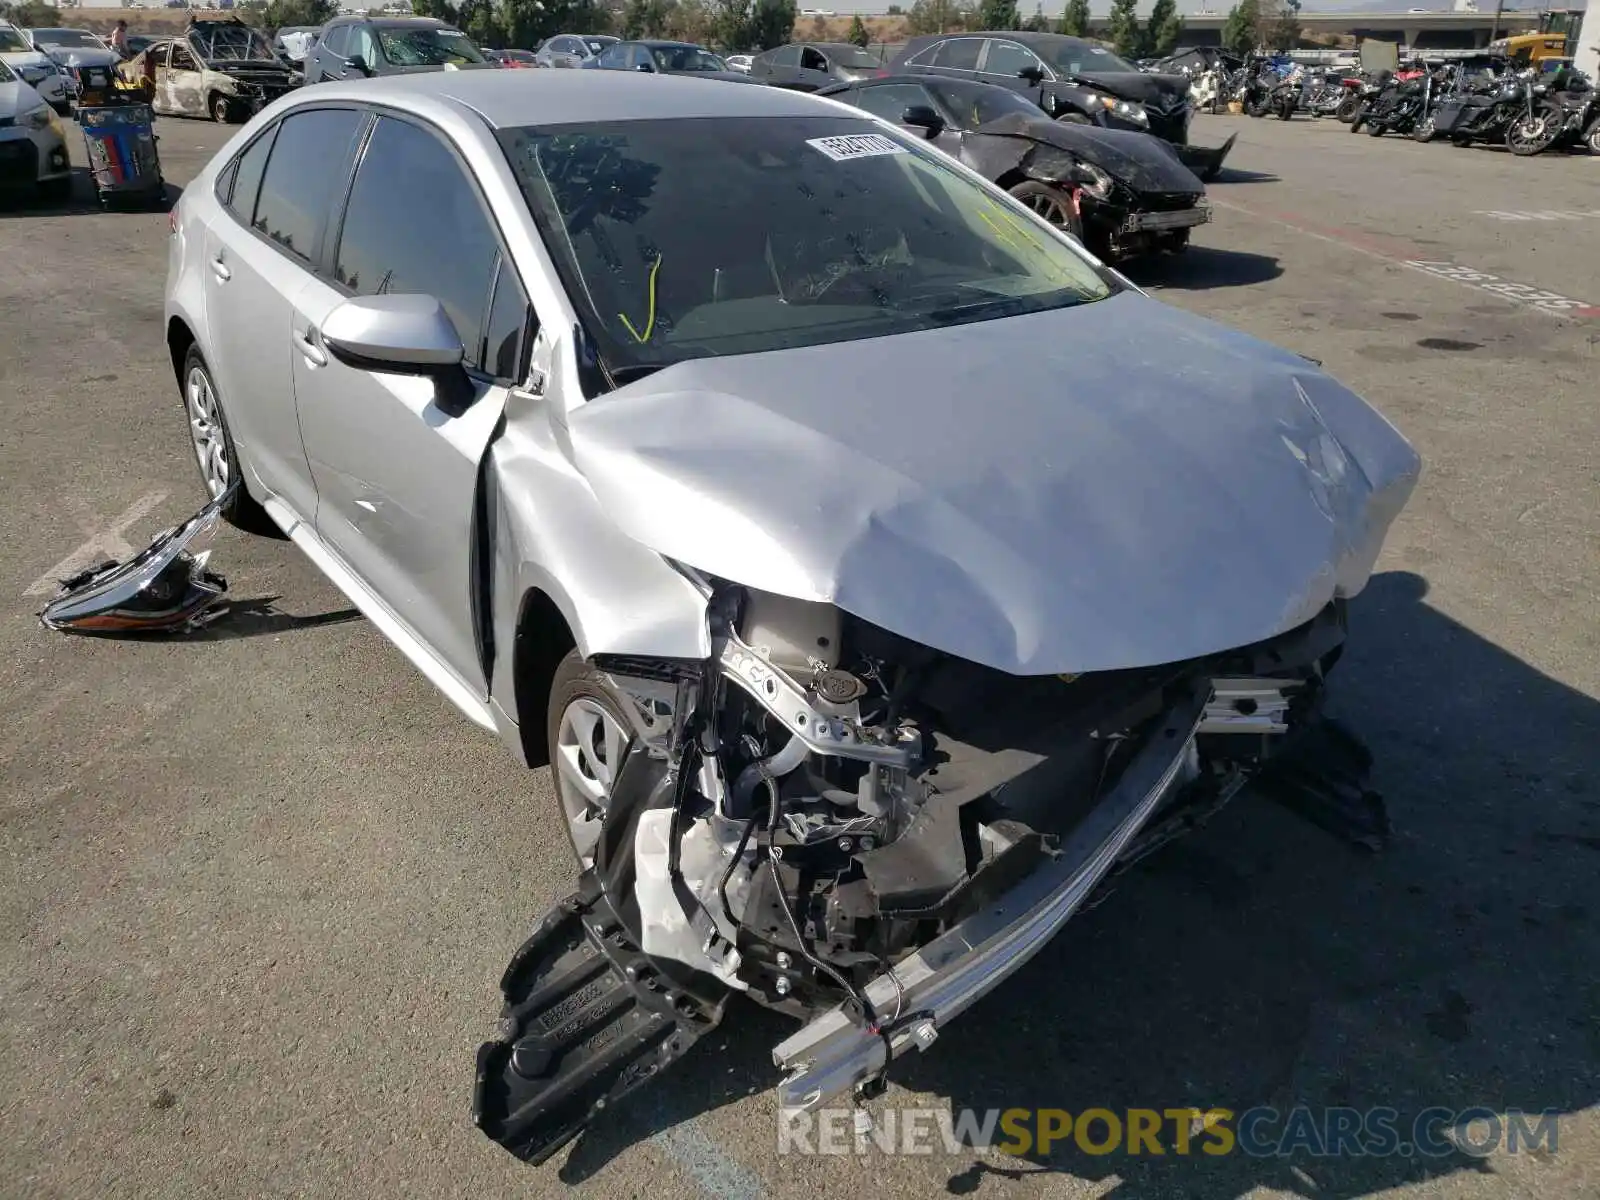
(696, 237)
(426, 46)
(67, 37)
(5, 74)
(1074, 57)
(686, 58)
(233, 43)
(11, 41)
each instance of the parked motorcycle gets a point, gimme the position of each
(1576, 105)
(1373, 91)
(1351, 89)
(1285, 97)
(1488, 113)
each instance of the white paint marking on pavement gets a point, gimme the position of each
(1549, 214)
(707, 1163)
(1538, 298)
(108, 543)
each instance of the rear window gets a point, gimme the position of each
(306, 165)
(11, 42)
(690, 238)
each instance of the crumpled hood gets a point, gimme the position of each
(1137, 159)
(1114, 485)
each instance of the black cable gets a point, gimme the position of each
(722, 886)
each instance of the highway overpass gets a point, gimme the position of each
(1427, 31)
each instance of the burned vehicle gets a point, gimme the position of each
(220, 69)
(876, 571)
(1121, 194)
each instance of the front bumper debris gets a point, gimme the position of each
(588, 1017)
(833, 1056)
(165, 588)
(1159, 222)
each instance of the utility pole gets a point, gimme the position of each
(1494, 26)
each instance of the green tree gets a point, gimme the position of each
(1126, 35)
(1164, 28)
(771, 23)
(30, 14)
(730, 24)
(858, 35)
(1280, 26)
(998, 14)
(1239, 31)
(896, 11)
(1075, 19)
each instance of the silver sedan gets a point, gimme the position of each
(874, 567)
(33, 153)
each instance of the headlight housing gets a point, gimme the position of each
(36, 118)
(1098, 184)
(1128, 110)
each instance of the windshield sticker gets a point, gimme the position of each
(845, 146)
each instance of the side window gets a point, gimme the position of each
(786, 56)
(304, 170)
(958, 54)
(507, 323)
(415, 224)
(182, 60)
(641, 58)
(812, 60)
(891, 100)
(1007, 58)
(614, 56)
(363, 43)
(247, 170)
(333, 40)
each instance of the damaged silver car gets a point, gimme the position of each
(878, 572)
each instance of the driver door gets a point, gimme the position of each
(396, 474)
(815, 71)
(184, 91)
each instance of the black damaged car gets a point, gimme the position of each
(1072, 80)
(1122, 194)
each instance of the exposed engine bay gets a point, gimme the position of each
(813, 812)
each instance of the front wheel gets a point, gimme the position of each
(1054, 204)
(221, 110)
(1530, 135)
(588, 740)
(1358, 118)
(1346, 112)
(1424, 131)
(1592, 138)
(1286, 110)
(1375, 128)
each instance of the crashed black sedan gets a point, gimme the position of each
(1122, 194)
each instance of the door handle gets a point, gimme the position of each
(309, 350)
(220, 269)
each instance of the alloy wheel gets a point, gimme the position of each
(206, 431)
(1052, 209)
(590, 746)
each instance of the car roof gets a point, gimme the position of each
(665, 44)
(506, 99)
(352, 18)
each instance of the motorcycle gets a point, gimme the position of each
(1372, 92)
(1351, 88)
(1576, 105)
(1286, 96)
(1487, 113)
(1402, 108)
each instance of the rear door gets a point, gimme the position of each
(260, 253)
(815, 71)
(396, 475)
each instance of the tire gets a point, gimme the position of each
(1285, 112)
(1346, 112)
(1423, 131)
(1549, 128)
(241, 511)
(1051, 203)
(1374, 130)
(581, 754)
(1358, 119)
(221, 109)
(1592, 139)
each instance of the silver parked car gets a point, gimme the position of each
(875, 568)
(572, 49)
(33, 153)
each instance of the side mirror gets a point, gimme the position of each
(359, 63)
(1031, 74)
(920, 116)
(401, 335)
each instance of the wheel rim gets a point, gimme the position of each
(1425, 130)
(590, 744)
(1529, 131)
(205, 430)
(1051, 209)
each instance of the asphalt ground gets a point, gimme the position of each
(259, 884)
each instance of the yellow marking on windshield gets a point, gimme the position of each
(650, 321)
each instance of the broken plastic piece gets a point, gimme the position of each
(588, 1017)
(165, 588)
